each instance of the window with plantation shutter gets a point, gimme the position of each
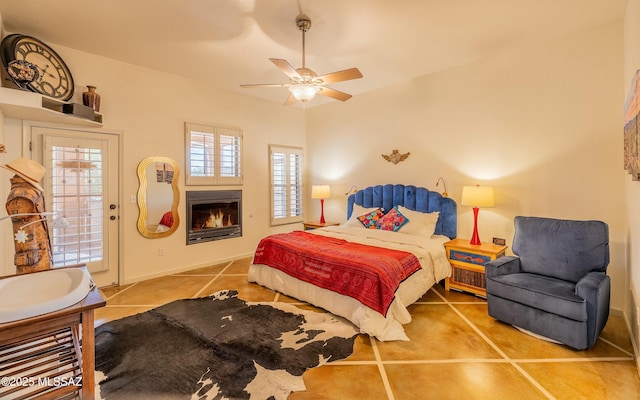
(214, 155)
(229, 154)
(286, 184)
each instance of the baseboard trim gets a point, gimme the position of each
(618, 312)
(628, 321)
(141, 278)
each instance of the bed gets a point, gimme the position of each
(384, 321)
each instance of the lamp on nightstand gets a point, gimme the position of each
(321, 192)
(476, 197)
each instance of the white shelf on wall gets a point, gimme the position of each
(20, 104)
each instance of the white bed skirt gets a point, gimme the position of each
(366, 319)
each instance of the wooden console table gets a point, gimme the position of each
(41, 357)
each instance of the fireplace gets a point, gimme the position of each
(213, 215)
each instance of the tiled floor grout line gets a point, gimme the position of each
(496, 348)
(617, 347)
(570, 360)
(121, 291)
(199, 292)
(425, 362)
(472, 325)
(483, 361)
(381, 370)
(622, 358)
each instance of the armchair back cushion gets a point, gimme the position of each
(562, 249)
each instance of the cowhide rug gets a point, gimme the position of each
(217, 347)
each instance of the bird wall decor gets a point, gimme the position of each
(395, 156)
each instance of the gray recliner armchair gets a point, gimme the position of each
(556, 285)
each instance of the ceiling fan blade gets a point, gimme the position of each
(285, 67)
(339, 76)
(290, 100)
(334, 94)
(263, 85)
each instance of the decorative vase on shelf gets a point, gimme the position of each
(91, 99)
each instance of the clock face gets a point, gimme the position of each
(54, 78)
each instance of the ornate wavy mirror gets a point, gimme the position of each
(158, 197)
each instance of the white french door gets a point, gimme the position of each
(81, 186)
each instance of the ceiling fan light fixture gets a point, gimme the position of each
(304, 83)
(304, 92)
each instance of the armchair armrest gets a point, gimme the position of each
(502, 266)
(595, 288)
(591, 283)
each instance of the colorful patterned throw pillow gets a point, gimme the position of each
(370, 220)
(392, 221)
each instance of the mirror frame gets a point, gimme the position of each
(142, 197)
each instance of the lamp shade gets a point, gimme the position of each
(320, 191)
(303, 91)
(478, 196)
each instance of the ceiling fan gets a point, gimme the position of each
(304, 82)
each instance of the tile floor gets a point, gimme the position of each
(456, 350)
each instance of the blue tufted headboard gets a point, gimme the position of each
(413, 198)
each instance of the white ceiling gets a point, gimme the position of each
(229, 42)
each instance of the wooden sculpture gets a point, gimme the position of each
(30, 230)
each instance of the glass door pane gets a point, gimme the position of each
(77, 194)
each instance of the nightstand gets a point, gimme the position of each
(467, 263)
(315, 224)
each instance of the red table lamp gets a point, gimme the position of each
(321, 192)
(476, 197)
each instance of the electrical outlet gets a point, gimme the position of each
(161, 252)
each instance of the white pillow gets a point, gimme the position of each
(420, 223)
(358, 211)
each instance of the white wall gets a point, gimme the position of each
(150, 109)
(541, 123)
(632, 188)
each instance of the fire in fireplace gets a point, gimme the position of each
(217, 219)
(213, 215)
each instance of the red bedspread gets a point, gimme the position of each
(369, 274)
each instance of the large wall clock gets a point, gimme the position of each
(34, 66)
